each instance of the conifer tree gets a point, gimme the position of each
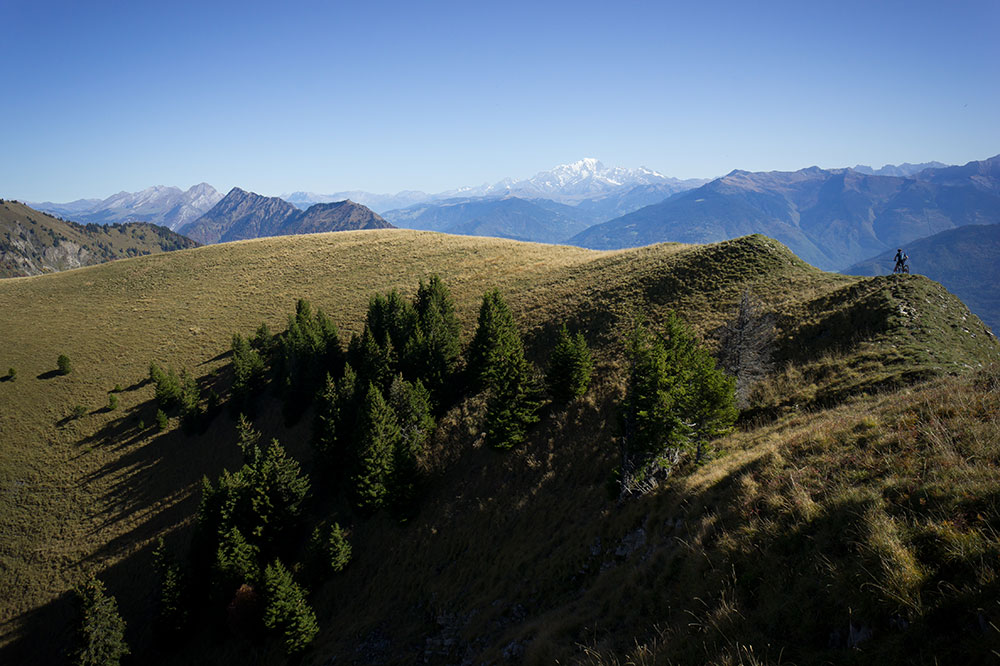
(497, 362)
(372, 360)
(378, 438)
(249, 371)
(335, 418)
(434, 353)
(100, 634)
(570, 367)
(676, 399)
(172, 612)
(235, 562)
(286, 611)
(411, 404)
(277, 492)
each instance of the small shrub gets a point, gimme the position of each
(12, 374)
(78, 411)
(117, 389)
(112, 402)
(161, 420)
(63, 364)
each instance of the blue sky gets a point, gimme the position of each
(383, 96)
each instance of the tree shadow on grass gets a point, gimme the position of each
(51, 374)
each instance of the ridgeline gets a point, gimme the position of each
(852, 517)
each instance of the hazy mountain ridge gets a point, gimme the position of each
(830, 217)
(242, 215)
(166, 206)
(33, 242)
(904, 170)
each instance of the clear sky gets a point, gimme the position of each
(99, 97)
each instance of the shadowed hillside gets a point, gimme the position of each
(850, 482)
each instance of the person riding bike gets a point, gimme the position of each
(898, 268)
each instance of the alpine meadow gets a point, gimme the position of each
(846, 513)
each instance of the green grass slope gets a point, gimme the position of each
(32, 242)
(522, 555)
(966, 260)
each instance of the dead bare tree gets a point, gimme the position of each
(746, 344)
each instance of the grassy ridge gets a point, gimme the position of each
(91, 493)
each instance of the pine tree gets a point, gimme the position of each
(434, 354)
(277, 492)
(63, 364)
(100, 634)
(286, 611)
(172, 612)
(235, 562)
(497, 362)
(328, 551)
(570, 367)
(411, 404)
(249, 371)
(676, 401)
(335, 418)
(378, 438)
(372, 360)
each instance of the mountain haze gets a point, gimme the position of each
(830, 218)
(166, 206)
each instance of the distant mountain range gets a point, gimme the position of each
(966, 260)
(166, 206)
(904, 170)
(32, 242)
(831, 218)
(241, 215)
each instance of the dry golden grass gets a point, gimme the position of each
(89, 494)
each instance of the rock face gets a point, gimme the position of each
(242, 215)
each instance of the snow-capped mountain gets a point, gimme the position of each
(570, 183)
(167, 206)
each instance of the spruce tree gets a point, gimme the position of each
(286, 611)
(171, 606)
(676, 400)
(570, 367)
(411, 404)
(100, 632)
(335, 418)
(497, 362)
(235, 562)
(249, 371)
(378, 438)
(434, 354)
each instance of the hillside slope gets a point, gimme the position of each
(32, 243)
(517, 555)
(966, 260)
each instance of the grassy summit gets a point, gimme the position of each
(523, 552)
